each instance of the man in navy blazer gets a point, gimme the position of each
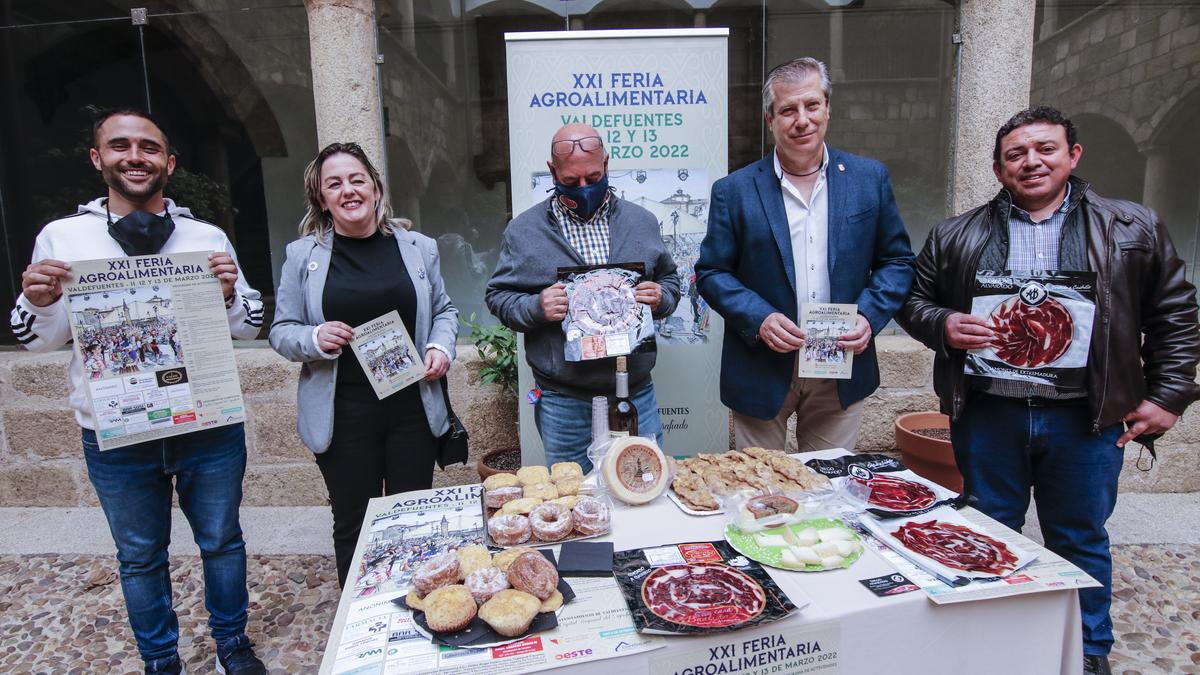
(805, 224)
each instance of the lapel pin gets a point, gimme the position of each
(421, 272)
(841, 167)
(312, 266)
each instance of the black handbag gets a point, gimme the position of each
(452, 445)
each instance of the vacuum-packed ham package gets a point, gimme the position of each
(702, 587)
(945, 544)
(882, 485)
(1043, 325)
(603, 318)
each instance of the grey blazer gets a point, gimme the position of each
(298, 311)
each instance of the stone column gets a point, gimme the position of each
(1156, 186)
(341, 37)
(995, 67)
(837, 63)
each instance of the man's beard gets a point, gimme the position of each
(115, 180)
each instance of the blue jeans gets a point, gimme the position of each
(134, 487)
(1004, 447)
(565, 424)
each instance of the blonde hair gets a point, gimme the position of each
(317, 221)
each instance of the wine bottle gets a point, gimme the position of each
(622, 416)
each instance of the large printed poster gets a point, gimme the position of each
(153, 337)
(659, 99)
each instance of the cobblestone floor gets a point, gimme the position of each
(64, 613)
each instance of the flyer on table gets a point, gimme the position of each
(372, 633)
(823, 324)
(152, 334)
(387, 354)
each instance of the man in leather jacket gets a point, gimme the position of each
(1067, 445)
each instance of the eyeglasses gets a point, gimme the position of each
(586, 144)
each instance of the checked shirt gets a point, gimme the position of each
(589, 238)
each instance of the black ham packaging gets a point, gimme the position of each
(1043, 325)
(882, 485)
(702, 587)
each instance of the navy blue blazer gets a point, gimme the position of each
(746, 272)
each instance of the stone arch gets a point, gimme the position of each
(1111, 161)
(1175, 117)
(1172, 186)
(520, 7)
(1123, 120)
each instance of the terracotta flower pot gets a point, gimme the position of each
(931, 458)
(481, 464)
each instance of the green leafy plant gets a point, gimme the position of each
(497, 347)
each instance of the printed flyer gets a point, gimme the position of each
(1049, 572)
(153, 337)
(387, 354)
(372, 634)
(823, 324)
(794, 650)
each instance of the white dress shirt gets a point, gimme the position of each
(808, 222)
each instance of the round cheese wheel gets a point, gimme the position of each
(635, 470)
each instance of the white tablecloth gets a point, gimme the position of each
(908, 633)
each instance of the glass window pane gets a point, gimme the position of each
(237, 85)
(892, 70)
(232, 87)
(51, 72)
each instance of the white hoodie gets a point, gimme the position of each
(84, 236)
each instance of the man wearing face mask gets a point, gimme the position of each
(582, 223)
(134, 482)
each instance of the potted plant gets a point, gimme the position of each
(497, 346)
(924, 442)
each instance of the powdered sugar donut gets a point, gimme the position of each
(486, 582)
(551, 522)
(509, 529)
(494, 499)
(438, 571)
(591, 516)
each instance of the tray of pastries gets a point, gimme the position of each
(541, 506)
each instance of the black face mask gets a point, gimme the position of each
(141, 233)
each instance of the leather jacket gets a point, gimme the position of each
(1145, 337)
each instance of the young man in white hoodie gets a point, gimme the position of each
(134, 482)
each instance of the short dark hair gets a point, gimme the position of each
(1041, 113)
(102, 115)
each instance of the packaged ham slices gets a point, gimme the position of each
(882, 486)
(945, 544)
(703, 587)
(603, 318)
(1043, 326)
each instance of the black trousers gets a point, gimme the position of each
(378, 448)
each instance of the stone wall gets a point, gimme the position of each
(1131, 63)
(41, 463)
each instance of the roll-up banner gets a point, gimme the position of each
(659, 99)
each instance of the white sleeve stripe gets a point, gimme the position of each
(27, 339)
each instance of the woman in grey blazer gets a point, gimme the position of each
(353, 263)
